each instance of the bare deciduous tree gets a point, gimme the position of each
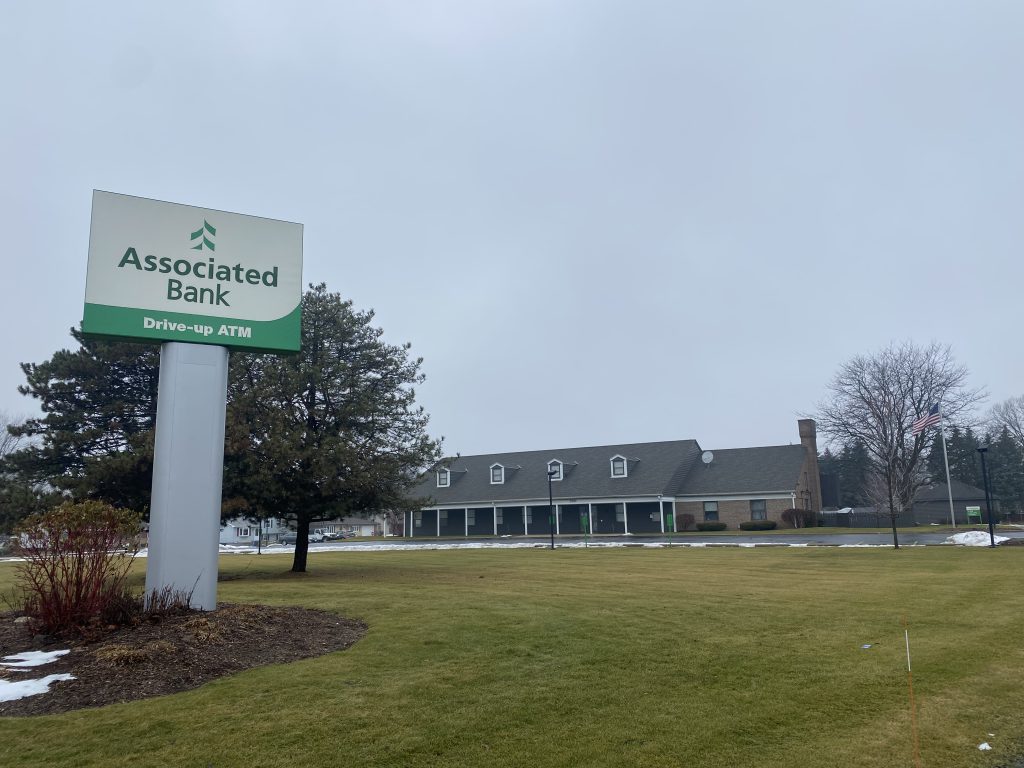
(8, 443)
(875, 399)
(1008, 414)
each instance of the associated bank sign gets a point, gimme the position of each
(172, 272)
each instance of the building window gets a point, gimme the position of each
(500, 517)
(620, 514)
(442, 515)
(619, 468)
(555, 470)
(758, 509)
(711, 511)
(417, 519)
(470, 517)
(497, 474)
(529, 515)
(444, 478)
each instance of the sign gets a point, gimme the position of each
(169, 272)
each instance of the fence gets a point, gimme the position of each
(864, 518)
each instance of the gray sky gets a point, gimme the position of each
(597, 222)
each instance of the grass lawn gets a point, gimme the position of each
(600, 657)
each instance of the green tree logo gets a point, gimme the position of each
(199, 237)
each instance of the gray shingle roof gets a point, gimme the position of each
(671, 468)
(653, 468)
(961, 492)
(745, 470)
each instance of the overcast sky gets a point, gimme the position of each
(597, 222)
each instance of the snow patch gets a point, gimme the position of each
(508, 542)
(984, 746)
(12, 691)
(974, 539)
(30, 659)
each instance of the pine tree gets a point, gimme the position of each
(330, 431)
(1006, 471)
(95, 437)
(935, 465)
(964, 464)
(854, 466)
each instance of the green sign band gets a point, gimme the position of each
(282, 334)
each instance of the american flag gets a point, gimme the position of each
(932, 417)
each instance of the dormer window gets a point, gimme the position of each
(444, 478)
(619, 468)
(497, 474)
(555, 469)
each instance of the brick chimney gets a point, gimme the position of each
(809, 484)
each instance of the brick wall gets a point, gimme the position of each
(732, 513)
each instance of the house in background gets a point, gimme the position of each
(623, 489)
(240, 531)
(931, 504)
(931, 507)
(371, 525)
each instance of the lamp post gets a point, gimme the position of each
(551, 507)
(988, 499)
(667, 518)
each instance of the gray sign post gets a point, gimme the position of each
(188, 469)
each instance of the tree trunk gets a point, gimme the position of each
(301, 545)
(892, 510)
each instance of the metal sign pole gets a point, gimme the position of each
(188, 468)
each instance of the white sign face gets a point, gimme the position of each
(174, 272)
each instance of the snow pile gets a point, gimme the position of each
(974, 539)
(30, 659)
(12, 691)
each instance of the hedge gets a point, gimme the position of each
(711, 526)
(757, 525)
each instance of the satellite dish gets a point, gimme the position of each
(707, 457)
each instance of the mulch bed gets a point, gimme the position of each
(169, 654)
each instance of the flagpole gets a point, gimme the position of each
(945, 459)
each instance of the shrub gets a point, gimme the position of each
(121, 605)
(757, 525)
(799, 518)
(168, 601)
(711, 526)
(685, 522)
(76, 558)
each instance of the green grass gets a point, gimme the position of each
(601, 657)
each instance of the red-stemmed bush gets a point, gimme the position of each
(75, 561)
